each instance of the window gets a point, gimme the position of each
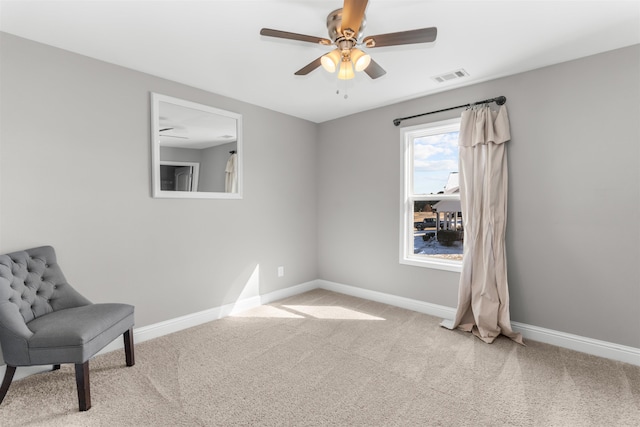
(431, 218)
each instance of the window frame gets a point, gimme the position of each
(407, 198)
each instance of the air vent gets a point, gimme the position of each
(457, 74)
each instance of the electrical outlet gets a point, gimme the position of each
(280, 271)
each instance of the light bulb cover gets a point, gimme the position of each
(346, 70)
(360, 59)
(331, 60)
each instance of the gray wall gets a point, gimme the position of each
(573, 236)
(69, 122)
(176, 154)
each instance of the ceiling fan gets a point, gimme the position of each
(345, 28)
(170, 136)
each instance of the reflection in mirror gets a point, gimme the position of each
(196, 150)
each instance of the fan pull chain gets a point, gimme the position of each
(345, 88)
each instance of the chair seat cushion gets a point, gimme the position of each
(74, 335)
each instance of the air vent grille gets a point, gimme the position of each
(452, 75)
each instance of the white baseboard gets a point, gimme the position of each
(166, 327)
(26, 371)
(402, 302)
(561, 339)
(289, 292)
(591, 346)
(579, 343)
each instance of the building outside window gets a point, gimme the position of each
(431, 218)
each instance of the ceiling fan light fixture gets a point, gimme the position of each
(331, 60)
(360, 59)
(346, 70)
(345, 27)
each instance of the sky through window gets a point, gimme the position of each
(434, 158)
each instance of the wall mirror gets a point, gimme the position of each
(196, 150)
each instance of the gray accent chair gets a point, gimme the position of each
(44, 321)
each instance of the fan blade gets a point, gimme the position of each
(174, 136)
(423, 35)
(294, 36)
(374, 70)
(352, 15)
(309, 67)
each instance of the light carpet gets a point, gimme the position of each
(327, 359)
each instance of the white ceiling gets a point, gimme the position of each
(215, 45)
(191, 125)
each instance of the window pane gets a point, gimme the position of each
(435, 158)
(437, 229)
(430, 204)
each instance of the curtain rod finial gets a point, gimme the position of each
(501, 100)
(397, 122)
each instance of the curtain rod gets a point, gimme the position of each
(500, 100)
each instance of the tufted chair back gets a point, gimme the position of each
(33, 281)
(31, 285)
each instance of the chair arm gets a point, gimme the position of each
(14, 335)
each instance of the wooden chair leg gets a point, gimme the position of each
(6, 382)
(82, 382)
(128, 347)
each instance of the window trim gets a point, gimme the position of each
(407, 135)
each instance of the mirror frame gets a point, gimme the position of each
(156, 98)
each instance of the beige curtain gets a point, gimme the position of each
(483, 295)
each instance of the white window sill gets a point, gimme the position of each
(437, 264)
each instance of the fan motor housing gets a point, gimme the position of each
(334, 25)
